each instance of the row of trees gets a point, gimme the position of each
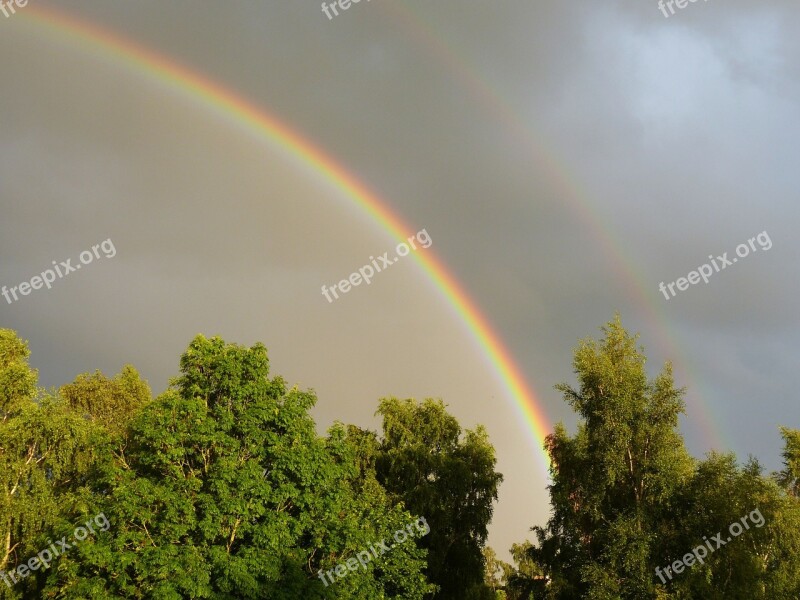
(222, 488)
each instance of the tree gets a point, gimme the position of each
(789, 478)
(227, 492)
(612, 482)
(47, 456)
(375, 516)
(425, 462)
(525, 580)
(494, 571)
(110, 402)
(628, 501)
(760, 555)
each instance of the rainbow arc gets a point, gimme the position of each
(259, 121)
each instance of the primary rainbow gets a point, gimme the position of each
(254, 118)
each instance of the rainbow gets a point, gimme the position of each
(244, 113)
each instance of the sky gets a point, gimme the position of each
(564, 159)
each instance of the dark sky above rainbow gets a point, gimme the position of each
(565, 159)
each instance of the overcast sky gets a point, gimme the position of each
(565, 159)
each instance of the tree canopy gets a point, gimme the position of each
(628, 500)
(221, 487)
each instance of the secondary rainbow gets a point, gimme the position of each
(243, 112)
(640, 289)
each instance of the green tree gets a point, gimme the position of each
(450, 479)
(628, 501)
(525, 580)
(110, 402)
(47, 456)
(372, 516)
(226, 491)
(494, 571)
(761, 562)
(789, 478)
(613, 481)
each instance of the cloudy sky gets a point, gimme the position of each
(565, 159)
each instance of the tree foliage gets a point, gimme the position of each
(226, 491)
(448, 476)
(789, 478)
(48, 455)
(222, 488)
(628, 499)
